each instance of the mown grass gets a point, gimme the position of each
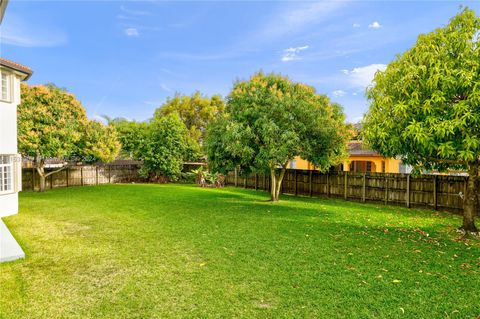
(179, 251)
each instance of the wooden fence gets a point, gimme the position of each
(427, 191)
(82, 176)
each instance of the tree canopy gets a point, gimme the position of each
(268, 121)
(161, 143)
(196, 111)
(131, 135)
(52, 123)
(425, 107)
(163, 147)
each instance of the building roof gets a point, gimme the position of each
(357, 148)
(17, 67)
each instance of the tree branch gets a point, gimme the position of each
(56, 171)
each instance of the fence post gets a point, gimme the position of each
(109, 174)
(435, 200)
(264, 181)
(236, 177)
(245, 181)
(96, 174)
(256, 181)
(66, 176)
(295, 182)
(310, 186)
(328, 184)
(364, 189)
(407, 195)
(81, 175)
(51, 181)
(33, 178)
(346, 185)
(386, 189)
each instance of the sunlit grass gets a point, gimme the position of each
(161, 251)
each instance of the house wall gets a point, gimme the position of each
(8, 204)
(300, 163)
(392, 165)
(8, 120)
(8, 142)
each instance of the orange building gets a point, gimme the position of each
(361, 160)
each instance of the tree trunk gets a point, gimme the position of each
(276, 184)
(279, 183)
(273, 185)
(471, 202)
(40, 166)
(42, 177)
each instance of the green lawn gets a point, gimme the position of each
(179, 251)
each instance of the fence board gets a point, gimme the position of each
(428, 191)
(81, 176)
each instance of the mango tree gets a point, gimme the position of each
(52, 123)
(268, 121)
(425, 107)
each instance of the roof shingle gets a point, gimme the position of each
(17, 67)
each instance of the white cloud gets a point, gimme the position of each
(375, 25)
(356, 25)
(294, 18)
(132, 32)
(165, 88)
(291, 54)
(339, 93)
(363, 76)
(357, 119)
(134, 12)
(125, 17)
(16, 31)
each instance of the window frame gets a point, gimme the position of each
(10, 163)
(8, 75)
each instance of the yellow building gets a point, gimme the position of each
(361, 160)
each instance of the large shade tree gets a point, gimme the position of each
(196, 111)
(269, 120)
(425, 107)
(52, 123)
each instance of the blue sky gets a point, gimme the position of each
(125, 58)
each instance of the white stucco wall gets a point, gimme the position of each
(8, 141)
(8, 121)
(8, 204)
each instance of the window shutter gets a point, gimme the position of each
(17, 168)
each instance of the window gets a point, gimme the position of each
(6, 174)
(369, 167)
(5, 86)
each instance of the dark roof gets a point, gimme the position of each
(17, 67)
(357, 148)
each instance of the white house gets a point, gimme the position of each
(11, 74)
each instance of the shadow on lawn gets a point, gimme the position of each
(352, 213)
